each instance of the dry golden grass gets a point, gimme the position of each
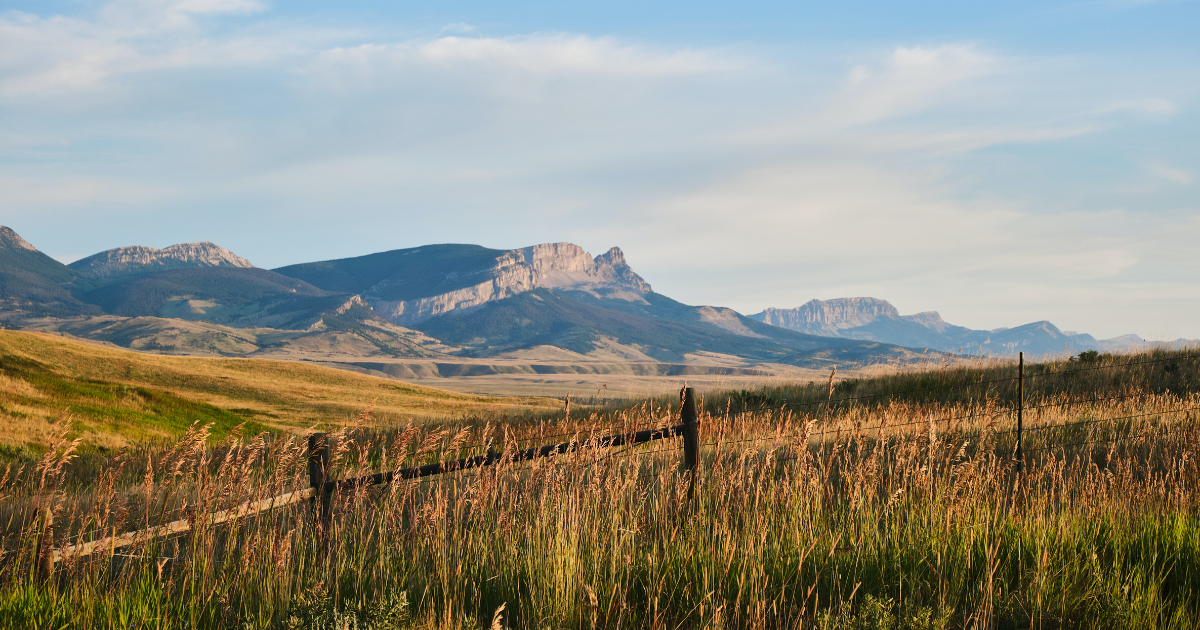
(115, 394)
(910, 515)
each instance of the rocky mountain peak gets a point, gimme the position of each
(929, 319)
(138, 259)
(613, 257)
(9, 239)
(826, 317)
(548, 265)
(568, 266)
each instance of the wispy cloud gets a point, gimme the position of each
(1169, 173)
(913, 79)
(906, 170)
(531, 55)
(54, 57)
(457, 28)
(1156, 107)
(33, 194)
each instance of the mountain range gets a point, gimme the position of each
(877, 320)
(439, 302)
(451, 302)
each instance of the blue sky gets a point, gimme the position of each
(1000, 164)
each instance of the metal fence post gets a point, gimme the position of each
(1020, 410)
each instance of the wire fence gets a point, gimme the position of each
(826, 416)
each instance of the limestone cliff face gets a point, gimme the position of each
(138, 259)
(827, 317)
(550, 265)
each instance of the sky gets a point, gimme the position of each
(1000, 164)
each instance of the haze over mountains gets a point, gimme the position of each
(447, 303)
(878, 320)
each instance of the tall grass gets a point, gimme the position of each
(908, 514)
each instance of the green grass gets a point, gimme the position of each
(789, 522)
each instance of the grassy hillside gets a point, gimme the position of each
(117, 397)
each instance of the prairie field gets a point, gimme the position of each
(896, 501)
(116, 397)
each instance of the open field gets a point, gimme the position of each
(116, 397)
(611, 372)
(894, 502)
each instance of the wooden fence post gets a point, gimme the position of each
(45, 557)
(318, 466)
(691, 438)
(691, 433)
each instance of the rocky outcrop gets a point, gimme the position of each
(550, 265)
(137, 259)
(349, 304)
(11, 240)
(827, 317)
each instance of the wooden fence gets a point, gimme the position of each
(324, 489)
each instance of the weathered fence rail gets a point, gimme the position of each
(324, 489)
(321, 489)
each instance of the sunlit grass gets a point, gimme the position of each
(117, 397)
(909, 514)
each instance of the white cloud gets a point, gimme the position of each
(1169, 173)
(908, 83)
(457, 28)
(912, 79)
(533, 55)
(729, 176)
(1155, 107)
(155, 14)
(947, 142)
(824, 229)
(52, 57)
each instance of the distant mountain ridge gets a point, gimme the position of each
(438, 302)
(414, 288)
(878, 320)
(124, 261)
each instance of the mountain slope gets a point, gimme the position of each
(584, 325)
(34, 283)
(339, 333)
(224, 295)
(410, 273)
